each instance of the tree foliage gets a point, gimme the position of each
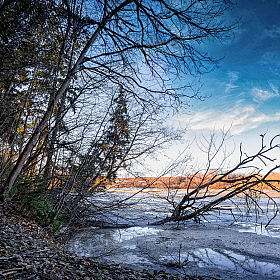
(116, 139)
(62, 62)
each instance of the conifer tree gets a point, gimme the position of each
(116, 138)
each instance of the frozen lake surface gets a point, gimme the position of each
(219, 247)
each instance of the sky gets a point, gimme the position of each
(244, 88)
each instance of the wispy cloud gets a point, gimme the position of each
(233, 76)
(260, 95)
(270, 58)
(238, 119)
(273, 32)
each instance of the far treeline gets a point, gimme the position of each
(86, 89)
(188, 182)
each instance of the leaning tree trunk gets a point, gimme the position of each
(53, 104)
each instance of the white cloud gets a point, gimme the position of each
(270, 58)
(233, 77)
(260, 95)
(273, 32)
(238, 119)
(274, 88)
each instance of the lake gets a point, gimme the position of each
(220, 246)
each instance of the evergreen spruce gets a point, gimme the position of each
(116, 138)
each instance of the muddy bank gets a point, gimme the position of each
(192, 249)
(27, 251)
(215, 248)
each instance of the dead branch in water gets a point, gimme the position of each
(201, 199)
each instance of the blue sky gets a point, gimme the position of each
(244, 89)
(245, 86)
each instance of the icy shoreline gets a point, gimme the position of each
(244, 250)
(199, 250)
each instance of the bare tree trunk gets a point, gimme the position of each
(53, 139)
(53, 104)
(34, 138)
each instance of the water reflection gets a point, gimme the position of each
(158, 248)
(227, 260)
(181, 251)
(233, 261)
(103, 242)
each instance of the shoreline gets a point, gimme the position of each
(207, 251)
(27, 251)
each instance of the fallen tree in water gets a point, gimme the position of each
(201, 199)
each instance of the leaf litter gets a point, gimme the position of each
(28, 251)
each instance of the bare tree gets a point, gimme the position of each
(207, 191)
(141, 45)
(86, 168)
